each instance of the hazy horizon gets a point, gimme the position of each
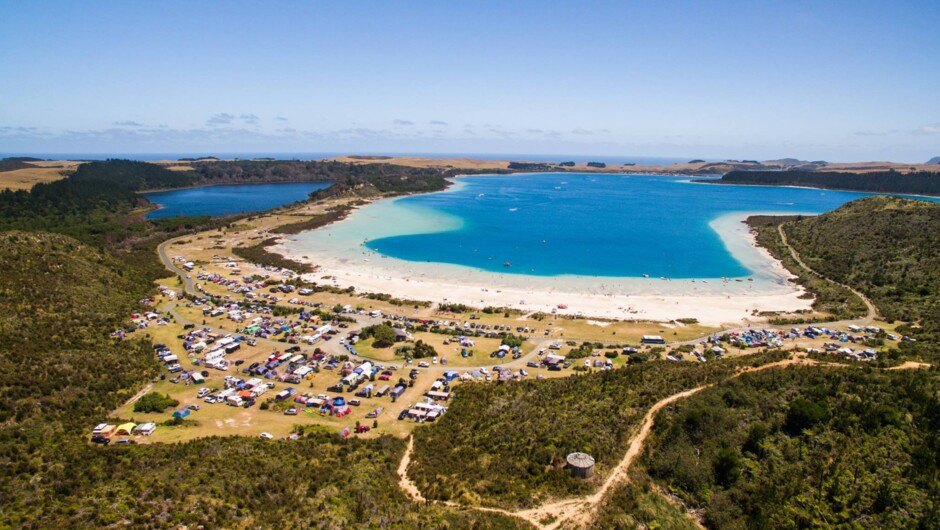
(840, 81)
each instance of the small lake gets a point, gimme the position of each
(228, 200)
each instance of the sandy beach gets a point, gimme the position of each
(343, 261)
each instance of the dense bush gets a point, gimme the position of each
(420, 350)
(505, 445)
(806, 447)
(154, 402)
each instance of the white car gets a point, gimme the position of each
(203, 392)
(587, 363)
(266, 436)
(424, 364)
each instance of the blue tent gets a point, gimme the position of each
(181, 413)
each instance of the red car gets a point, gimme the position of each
(362, 428)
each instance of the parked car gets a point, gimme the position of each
(99, 439)
(203, 392)
(266, 436)
(124, 441)
(424, 364)
(403, 414)
(532, 364)
(362, 428)
(354, 402)
(291, 411)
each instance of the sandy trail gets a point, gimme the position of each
(910, 365)
(139, 394)
(404, 482)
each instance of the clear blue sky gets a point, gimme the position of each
(842, 81)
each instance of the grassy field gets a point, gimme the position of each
(25, 179)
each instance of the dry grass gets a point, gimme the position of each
(25, 179)
(62, 164)
(416, 161)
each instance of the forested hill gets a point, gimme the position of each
(381, 178)
(132, 175)
(374, 178)
(886, 247)
(919, 183)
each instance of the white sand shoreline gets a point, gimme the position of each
(339, 256)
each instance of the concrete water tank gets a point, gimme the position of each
(581, 464)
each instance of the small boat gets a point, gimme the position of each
(514, 209)
(646, 275)
(506, 264)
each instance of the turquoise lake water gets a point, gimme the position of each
(227, 200)
(584, 224)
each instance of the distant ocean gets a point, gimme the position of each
(607, 159)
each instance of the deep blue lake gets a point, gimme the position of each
(226, 200)
(587, 224)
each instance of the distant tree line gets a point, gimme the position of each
(531, 166)
(918, 183)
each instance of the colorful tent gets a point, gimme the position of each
(126, 428)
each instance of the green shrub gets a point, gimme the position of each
(154, 402)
